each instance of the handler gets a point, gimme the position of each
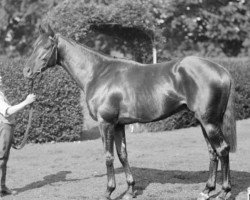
(6, 133)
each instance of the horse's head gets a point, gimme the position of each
(44, 54)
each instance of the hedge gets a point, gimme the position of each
(58, 113)
(76, 18)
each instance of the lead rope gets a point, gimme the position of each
(26, 134)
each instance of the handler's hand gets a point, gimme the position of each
(30, 98)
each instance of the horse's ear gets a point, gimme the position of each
(41, 29)
(54, 40)
(50, 32)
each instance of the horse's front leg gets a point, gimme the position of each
(120, 142)
(107, 134)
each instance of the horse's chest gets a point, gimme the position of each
(104, 105)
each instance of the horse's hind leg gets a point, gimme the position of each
(107, 134)
(225, 170)
(120, 142)
(218, 143)
(213, 166)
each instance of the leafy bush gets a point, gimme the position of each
(57, 115)
(240, 70)
(188, 27)
(76, 19)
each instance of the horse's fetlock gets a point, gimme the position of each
(210, 187)
(111, 187)
(130, 181)
(226, 187)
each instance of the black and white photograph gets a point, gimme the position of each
(124, 99)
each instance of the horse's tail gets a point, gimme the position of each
(229, 123)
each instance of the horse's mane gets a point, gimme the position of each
(73, 42)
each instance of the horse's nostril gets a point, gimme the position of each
(27, 71)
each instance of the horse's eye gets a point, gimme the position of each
(42, 57)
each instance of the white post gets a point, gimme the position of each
(154, 51)
(154, 55)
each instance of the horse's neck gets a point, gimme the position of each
(77, 60)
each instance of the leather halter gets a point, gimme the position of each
(49, 55)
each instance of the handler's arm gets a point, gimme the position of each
(14, 109)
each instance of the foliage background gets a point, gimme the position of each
(206, 27)
(57, 115)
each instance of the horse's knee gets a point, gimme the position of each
(213, 156)
(109, 159)
(223, 149)
(3, 162)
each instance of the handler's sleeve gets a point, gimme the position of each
(3, 106)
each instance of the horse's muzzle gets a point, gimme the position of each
(27, 72)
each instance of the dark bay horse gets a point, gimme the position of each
(120, 92)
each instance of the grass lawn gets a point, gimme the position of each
(169, 165)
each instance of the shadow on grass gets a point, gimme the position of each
(53, 178)
(145, 176)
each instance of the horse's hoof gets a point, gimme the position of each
(224, 196)
(203, 196)
(7, 191)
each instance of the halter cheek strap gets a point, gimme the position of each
(53, 51)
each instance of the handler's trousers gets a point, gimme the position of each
(6, 136)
